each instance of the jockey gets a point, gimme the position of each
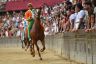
(29, 15)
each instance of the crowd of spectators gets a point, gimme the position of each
(64, 17)
(10, 24)
(71, 17)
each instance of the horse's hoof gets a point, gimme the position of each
(25, 49)
(33, 55)
(42, 49)
(40, 58)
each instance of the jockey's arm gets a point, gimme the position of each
(29, 19)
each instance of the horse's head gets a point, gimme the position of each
(38, 13)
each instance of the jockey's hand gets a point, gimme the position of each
(30, 17)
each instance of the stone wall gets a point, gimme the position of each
(10, 42)
(79, 46)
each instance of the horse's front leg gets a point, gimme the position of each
(43, 44)
(38, 50)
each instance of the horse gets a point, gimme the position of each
(37, 33)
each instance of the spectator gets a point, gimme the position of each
(72, 18)
(79, 21)
(91, 15)
(6, 33)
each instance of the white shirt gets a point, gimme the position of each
(13, 19)
(80, 15)
(8, 22)
(46, 32)
(6, 33)
(18, 33)
(46, 10)
(17, 19)
(95, 10)
(73, 16)
(21, 24)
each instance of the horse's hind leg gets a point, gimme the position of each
(38, 50)
(43, 44)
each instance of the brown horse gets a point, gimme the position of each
(37, 33)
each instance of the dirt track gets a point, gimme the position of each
(19, 56)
